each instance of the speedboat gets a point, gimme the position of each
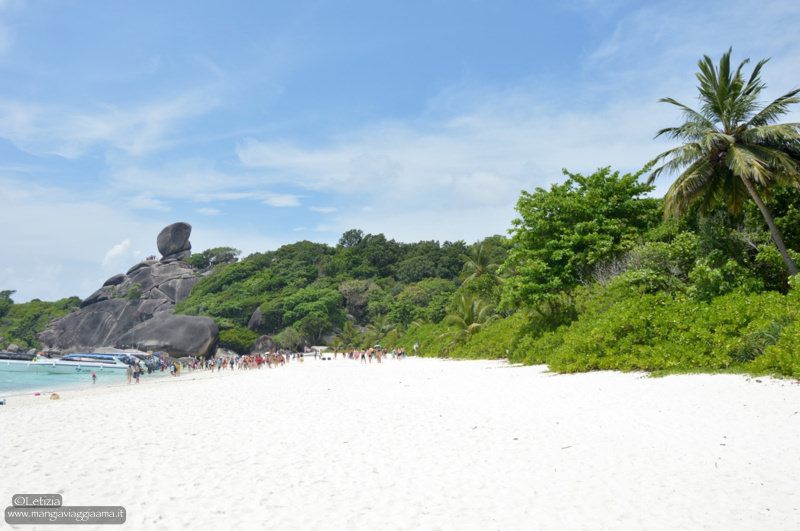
(78, 363)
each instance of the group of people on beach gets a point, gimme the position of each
(258, 361)
(135, 370)
(367, 355)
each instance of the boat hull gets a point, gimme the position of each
(62, 367)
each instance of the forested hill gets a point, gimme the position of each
(310, 293)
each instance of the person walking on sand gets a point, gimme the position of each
(129, 372)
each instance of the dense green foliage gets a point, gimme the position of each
(19, 323)
(352, 295)
(629, 330)
(565, 233)
(213, 257)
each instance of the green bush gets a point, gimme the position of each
(495, 340)
(782, 357)
(238, 339)
(21, 322)
(288, 338)
(429, 336)
(658, 332)
(713, 276)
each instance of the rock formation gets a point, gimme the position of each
(135, 309)
(173, 242)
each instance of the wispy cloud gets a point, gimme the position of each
(45, 129)
(146, 201)
(6, 34)
(323, 209)
(483, 156)
(117, 251)
(281, 200)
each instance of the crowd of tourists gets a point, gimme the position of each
(373, 353)
(258, 361)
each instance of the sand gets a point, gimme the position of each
(416, 444)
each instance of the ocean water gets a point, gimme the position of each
(22, 383)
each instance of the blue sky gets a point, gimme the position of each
(263, 123)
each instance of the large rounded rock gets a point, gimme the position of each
(100, 324)
(263, 344)
(173, 240)
(177, 335)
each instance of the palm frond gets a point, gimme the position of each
(746, 165)
(780, 134)
(688, 186)
(676, 160)
(784, 166)
(778, 107)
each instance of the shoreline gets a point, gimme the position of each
(418, 443)
(58, 385)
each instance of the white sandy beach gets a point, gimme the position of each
(416, 444)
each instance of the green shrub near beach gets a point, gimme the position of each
(781, 342)
(661, 332)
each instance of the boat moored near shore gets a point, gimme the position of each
(77, 363)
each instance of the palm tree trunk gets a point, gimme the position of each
(773, 229)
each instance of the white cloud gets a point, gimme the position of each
(282, 200)
(485, 155)
(145, 201)
(117, 251)
(323, 210)
(207, 211)
(49, 129)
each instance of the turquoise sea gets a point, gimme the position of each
(22, 383)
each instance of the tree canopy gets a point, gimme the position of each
(564, 233)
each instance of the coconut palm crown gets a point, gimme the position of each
(733, 148)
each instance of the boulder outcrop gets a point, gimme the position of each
(173, 242)
(135, 309)
(179, 335)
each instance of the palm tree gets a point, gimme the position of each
(733, 147)
(378, 328)
(470, 313)
(349, 336)
(480, 261)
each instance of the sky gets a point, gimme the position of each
(263, 123)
